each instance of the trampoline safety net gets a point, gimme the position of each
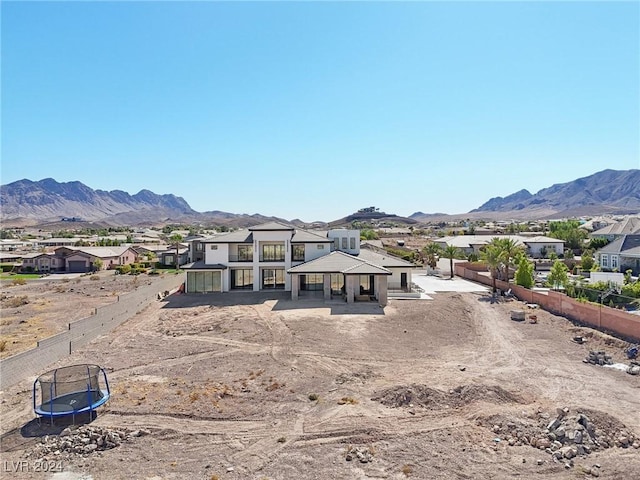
(68, 390)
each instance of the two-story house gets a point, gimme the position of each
(275, 256)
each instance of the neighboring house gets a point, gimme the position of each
(168, 257)
(11, 245)
(150, 250)
(621, 255)
(535, 247)
(196, 248)
(82, 259)
(57, 242)
(274, 256)
(42, 262)
(628, 226)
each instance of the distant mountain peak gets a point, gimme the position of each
(608, 191)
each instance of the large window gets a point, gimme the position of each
(297, 254)
(352, 243)
(273, 278)
(205, 282)
(242, 278)
(312, 281)
(614, 261)
(337, 283)
(605, 261)
(245, 253)
(273, 253)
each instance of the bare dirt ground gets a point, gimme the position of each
(44, 307)
(449, 388)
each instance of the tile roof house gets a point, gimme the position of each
(628, 226)
(621, 255)
(275, 256)
(82, 259)
(536, 246)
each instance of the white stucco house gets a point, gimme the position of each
(275, 256)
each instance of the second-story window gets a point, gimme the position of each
(297, 253)
(245, 253)
(273, 253)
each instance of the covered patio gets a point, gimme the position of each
(340, 275)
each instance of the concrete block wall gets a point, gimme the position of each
(34, 362)
(605, 318)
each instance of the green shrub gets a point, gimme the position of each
(123, 269)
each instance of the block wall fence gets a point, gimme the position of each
(604, 318)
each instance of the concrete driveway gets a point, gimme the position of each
(432, 284)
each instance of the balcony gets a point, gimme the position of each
(269, 258)
(240, 258)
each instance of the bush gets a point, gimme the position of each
(18, 281)
(123, 269)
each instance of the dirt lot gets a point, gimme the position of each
(44, 307)
(448, 388)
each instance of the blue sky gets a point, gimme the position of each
(312, 110)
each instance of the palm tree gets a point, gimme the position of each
(510, 251)
(492, 255)
(451, 252)
(175, 242)
(430, 254)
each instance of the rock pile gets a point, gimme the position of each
(598, 357)
(364, 455)
(82, 441)
(567, 436)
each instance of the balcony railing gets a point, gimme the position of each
(271, 259)
(241, 258)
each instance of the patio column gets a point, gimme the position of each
(350, 287)
(327, 286)
(382, 283)
(294, 286)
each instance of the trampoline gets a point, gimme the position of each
(69, 391)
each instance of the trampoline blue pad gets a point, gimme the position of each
(72, 403)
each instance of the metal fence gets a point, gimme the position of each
(18, 367)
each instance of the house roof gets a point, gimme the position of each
(241, 236)
(304, 236)
(36, 255)
(102, 252)
(467, 241)
(200, 265)
(541, 239)
(339, 262)
(271, 226)
(628, 226)
(627, 245)
(383, 260)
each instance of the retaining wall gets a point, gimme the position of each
(613, 320)
(49, 350)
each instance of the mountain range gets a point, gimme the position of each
(28, 203)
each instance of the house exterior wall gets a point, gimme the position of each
(216, 253)
(535, 248)
(348, 240)
(394, 281)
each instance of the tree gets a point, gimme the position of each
(524, 273)
(587, 260)
(510, 250)
(492, 255)
(570, 232)
(558, 275)
(430, 254)
(175, 242)
(451, 252)
(97, 264)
